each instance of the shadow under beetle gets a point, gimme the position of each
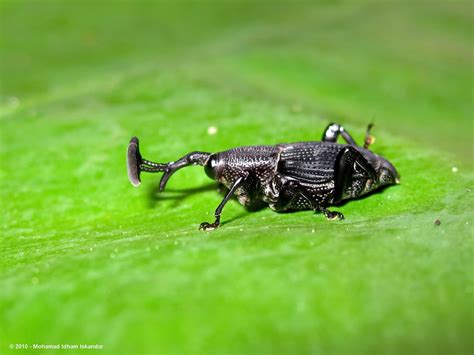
(289, 176)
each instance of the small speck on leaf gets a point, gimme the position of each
(295, 108)
(437, 222)
(211, 130)
(13, 102)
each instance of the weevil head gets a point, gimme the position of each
(212, 166)
(221, 168)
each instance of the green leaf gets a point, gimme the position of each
(88, 259)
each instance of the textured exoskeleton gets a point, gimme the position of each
(290, 176)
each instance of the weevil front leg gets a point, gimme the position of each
(136, 164)
(217, 214)
(292, 190)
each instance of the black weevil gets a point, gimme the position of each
(290, 176)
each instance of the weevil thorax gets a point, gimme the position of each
(386, 174)
(257, 162)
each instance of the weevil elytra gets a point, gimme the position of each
(290, 176)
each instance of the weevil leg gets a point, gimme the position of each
(217, 214)
(332, 132)
(288, 192)
(331, 215)
(346, 162)
(292, 190)
(136, 164)
(369, 140)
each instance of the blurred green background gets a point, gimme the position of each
(86, 258)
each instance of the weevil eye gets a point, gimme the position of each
(211, 166)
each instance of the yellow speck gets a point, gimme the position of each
(212, 130)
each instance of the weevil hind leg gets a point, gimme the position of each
(369, 140)
(333, 131)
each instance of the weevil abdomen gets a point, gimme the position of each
(311, 166)
(311, 162)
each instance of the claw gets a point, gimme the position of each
(369, 140)
(334, 216)
(206, 226)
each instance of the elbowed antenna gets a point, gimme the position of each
(136, 164)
